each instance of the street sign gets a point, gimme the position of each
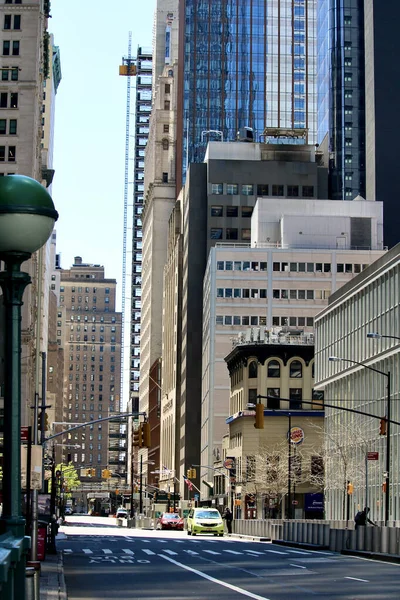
(24, 434)
(229, 462)
(373, 455)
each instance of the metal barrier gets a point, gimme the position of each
(13, 553)
(30, 583)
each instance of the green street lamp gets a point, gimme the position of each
(27, 217)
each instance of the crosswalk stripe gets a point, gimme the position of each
(297, 552)
(107, 551)
(170, 552)
(275, 552)
(149, 552)
(232, 552)
(87, 551)
(127, 551)
(191, 552)
(212, 552)
(179, 541)
(253, 552)
(162, 541)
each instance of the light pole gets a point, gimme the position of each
(27, 217)
(388, 418)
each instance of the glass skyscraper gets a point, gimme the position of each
(248, 63)
(341, 94)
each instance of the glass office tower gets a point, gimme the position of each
(341, 93)
(248, 63)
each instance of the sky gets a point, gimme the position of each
(90, 118)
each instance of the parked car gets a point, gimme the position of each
(205, 520)
(122, 513)
(170, 521)
(68, 510)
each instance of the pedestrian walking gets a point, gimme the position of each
(228, 516)
(361, 518)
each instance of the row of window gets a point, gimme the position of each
(87, 290)
(263, 190)
(276, 293)
(9, 100)
(12, 22)
(12, 126)
(262, 321)
(11, 47)
(84, 376)
(93, 319)
(288, 267)
(7, 153)
(231, 211)
(274, 369)
(231, 233)
(274, 401)
(86, 328)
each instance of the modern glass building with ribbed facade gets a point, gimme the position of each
(341, 93)
(246, 64)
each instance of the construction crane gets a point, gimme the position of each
(127, 69)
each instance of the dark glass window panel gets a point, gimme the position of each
(273, 369)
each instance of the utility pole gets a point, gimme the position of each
(141, 486)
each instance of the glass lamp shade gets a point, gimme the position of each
(27, 214)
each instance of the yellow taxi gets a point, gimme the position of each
(205, 520)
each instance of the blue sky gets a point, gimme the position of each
(89, 149)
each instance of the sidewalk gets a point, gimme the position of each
(52, 583)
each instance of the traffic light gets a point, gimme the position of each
(191, 473)
(146, 435)
(138, 437)
(106, 473)
(259, 424)
(46, 422)
(39, 420)
(91, 472)
(350, 488)
(383, 427)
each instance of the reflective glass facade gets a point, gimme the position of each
(247, 64)
(341, 93)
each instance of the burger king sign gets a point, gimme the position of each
(296, 436)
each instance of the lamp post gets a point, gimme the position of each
(388, 418)
(27, 217)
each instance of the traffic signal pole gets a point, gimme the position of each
(141, 486)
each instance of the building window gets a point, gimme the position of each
(14, 100)
(247, 190)
(296, 369)
(167, 88)
(15, 48)
(262, 190)
(253, 369)
(232, 189)
(165, 177)
(11, 153)
(166, 128)
(308, 191)
(273, 402)
(165, 144)
(6, 48)
(246, 234)
(167, 104)
(12, 127)
(217, 188)
(247, 211)
(295, 396)
(3, 124)
(7, 22)
(216, 233)
(293, 191)
(217, 211)
(232, 211)
(274, 369)
(17, 22)
(277, 190)
(231, 233)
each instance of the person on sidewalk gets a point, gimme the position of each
(228, 516)
(361, 518)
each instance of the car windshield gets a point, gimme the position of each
(170, 516)
(207, 514)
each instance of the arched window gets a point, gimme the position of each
(274, 369)
(253, 369)
(296, 370)
(165, 144)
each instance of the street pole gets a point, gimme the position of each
(388, 416)
(289, 510)
(141, 486)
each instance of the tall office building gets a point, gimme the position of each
(90, 331)
(341, 97)
(244, 64)
(142, 128)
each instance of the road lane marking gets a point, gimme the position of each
(170, 552)
(297, 552)
(275, 551)
(214, 580)
(253, 552)
(162, 541)
(191, 552)
(357, 579)
(149, 552)
(87, 551)
(127, 551)
(178, 541)
(232, 552)
(107, 551)
(298, 566)
(211, 552)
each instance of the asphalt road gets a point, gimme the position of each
(103, 562)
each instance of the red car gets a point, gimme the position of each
(170, 521)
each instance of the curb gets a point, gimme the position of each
(254, 538)
(303, 545)
(373, 555)
(62, 590)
